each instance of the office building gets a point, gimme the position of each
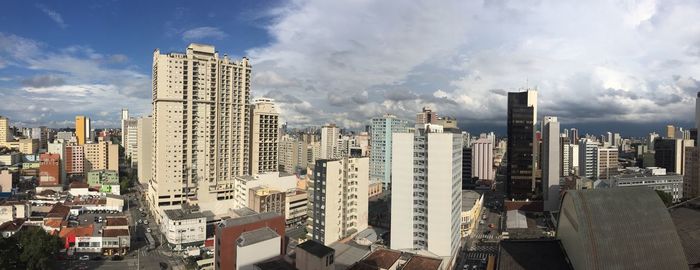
(264, 136)
(426, 116)
(49, 170)
(482, 160)
(520, 171)
(670, 153)
(427, 173)
(574, 135)
(550, 163)
(607, 162)
(235, 244)
(588, 159)
(380, 153)
(200, 124)
(144, 140)
(101, 156)
(691, 173)
(130, 140)
(75, 160)
(82, 129)
(5, 132)
(329, 141)
(340, 204)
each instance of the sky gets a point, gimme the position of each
(626, 66)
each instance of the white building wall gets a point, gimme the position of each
(444, 193)
(482, 159)
(550, 163)
(248, 255)
(402, 191)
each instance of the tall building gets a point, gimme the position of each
(124, 117)
(574, 135)
(41, 134)
(427, 175)
(59, 147)
(82, 129)
(670, 132)
(75, 159)
(427, 116)
(670, 153)
(482, 159)
(264, 136)
(520, 171)
(144, 140)
(607, 162)
(697, 112)
(588, 158)
(550, 163)
(691, 173)
(130, 140)
(380, 153)
(49, 170)
(101, 156)
(201, 105)
(329, 141)
(341, 198)
(5, 133)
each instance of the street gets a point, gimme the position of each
(483, 241)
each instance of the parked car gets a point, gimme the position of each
(84, 258)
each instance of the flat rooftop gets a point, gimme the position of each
(179, 214)
(418, 262)
(256, 236)
(532, 254)
(380, 258)
(687, 221)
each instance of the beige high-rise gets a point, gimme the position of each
(200, 128)
(144, 138)
(101, 156)
(264, 136)
(5, 134)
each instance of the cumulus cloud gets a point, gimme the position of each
(594, 61)
(205, 32)
(53, 15)
(39, 81)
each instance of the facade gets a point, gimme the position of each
(6, 180)
(329, 141)
(312, 255)
(427, 168)
(670, 153)
(256, 246)
(201, 104)
(59, 147)
(184, 227)
(669, 183)
(426, 116)
(264, 136)
(106, 180)
(50, 170)
(82, 129)
(550, 163)
(520, 171)
(482, 160)
(229, 232)
(41, 134)
(380, 154)
(691, 174)
(130, 143)
(101, 156)
(472, 202)
(5, 132)
(295, 207)
(263, 199)
(341, 198)
(588, 159)
(607, 162)
(144, 140)
(75, 159)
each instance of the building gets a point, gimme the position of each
(5, 132)
(75, 159)
(82, 129)
(50, 170)
(41, 134)
(634, 218)
(670, 132)
(234, 244)
(263, 199)
(588, 158)
(105, 181)
(380, 154)
(295, 207)
(101, 156)
(264, 136)
(426, 116)
(341, 198)
(124, 117)
(329, 141)
(654, 178)
(691, 173)
(59, 147)
(482, 160)
(208, 144)
(550, 163)
(312, 255)
(184, 227)
(670, 153)
(130, 137)
(607, 162)
(427, 168)
(144, 140)
(7, 178)
(520, 171)
(472, 202)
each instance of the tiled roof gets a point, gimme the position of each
(380, 258)
(119, 221)
(115, 232)
(82, 231)
(422, 263)
(12, 225)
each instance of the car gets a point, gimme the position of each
(84, 258)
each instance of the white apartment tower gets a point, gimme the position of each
(329, 141)
(144, 138)
(382, 129)
(264, 136)
(200, 124)
(426, 191)
(550, 163)
(588, 158)
(130, 140)
(340, 201)
(482, 159)
(124, 117)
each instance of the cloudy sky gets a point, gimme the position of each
(626, 65)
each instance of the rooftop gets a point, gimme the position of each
(532, 254)
(117, 221)
(687, 221)
(317, 249)
(12, 225)
(469, 198)
(256, 236)
(422, 263)
(180, 214)
(380, 258)
(82, 231)
(249, 219)
(115, 232)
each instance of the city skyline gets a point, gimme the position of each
(585, 76)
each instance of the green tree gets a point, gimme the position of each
(30, 248)
(9, 253)
(665, 197)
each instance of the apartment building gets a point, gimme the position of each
(380, 154)
(264, 136)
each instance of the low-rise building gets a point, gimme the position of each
(230, 232)
(184, 227)
(313, 255)
(654, 178)
(296, 207)
(104, 180)
(472, 203)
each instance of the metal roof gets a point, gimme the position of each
(256, 236)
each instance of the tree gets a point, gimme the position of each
(9, 253)
(665, 197)
(30, 248)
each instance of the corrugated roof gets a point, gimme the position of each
(619, 228)
(315, 248)
(532, 254)
(256, 236)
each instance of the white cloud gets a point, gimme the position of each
(205, 32)
(55, 16)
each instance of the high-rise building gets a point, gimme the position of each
(101, 156)
(550, 163)
(574, 135)
(264, 136)
(427, 116)
(82, 129)
(41, 134)
(341, 198)
(697, 112)
(691, 173)
(482, 159)
(201, 105)
(124, 117)
(75, 159)
(329, 141)
(669, 153)
(670, 132)
(49, 170)
(588, 158)
(520, 171)
(130, 140)
(607, 162)
(380, 153)
(144, 140)
(427, 175)
(5, 133)
(59, 147)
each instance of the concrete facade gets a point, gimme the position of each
(380, 154)
(264, 137)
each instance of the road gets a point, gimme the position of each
(483, 241)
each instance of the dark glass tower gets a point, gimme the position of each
(520, 176)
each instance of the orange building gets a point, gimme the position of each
(49, 169)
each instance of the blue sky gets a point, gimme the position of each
(635, 62)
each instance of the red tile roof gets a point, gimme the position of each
(117, 221)
(12, 225)
(77, 231)
(115, 232)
